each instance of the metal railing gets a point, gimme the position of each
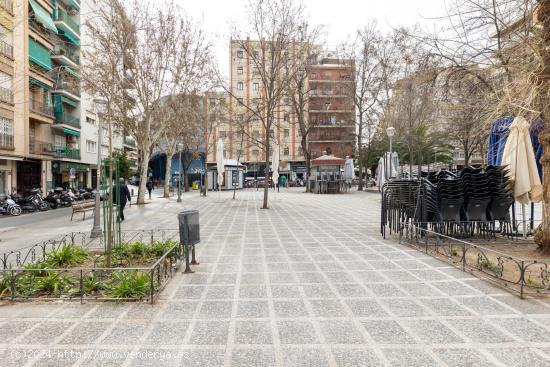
(66, 118)
(6, 95)
(67, 153)
(64, 17)
(526, 277)
(23, 276)
(6, 141)
(6, 49)
(7, 4)
(40, 147)
(68, 53)
(40, 107)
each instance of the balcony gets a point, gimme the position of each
(6, 142)
(6, 95)
(66, 153)
(38, 147)
(323, 109)
(6, 49)
(65, 118)
(66, 56)
(7, 4)
(64, 22)
(37, 106)
(66, 85)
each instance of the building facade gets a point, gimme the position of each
(48, 124)
(331, 107)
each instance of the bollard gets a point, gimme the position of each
(189, 234)
(132, 194)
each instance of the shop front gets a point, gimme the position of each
(70, 174)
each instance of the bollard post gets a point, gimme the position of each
(189, 229)
(193, 260)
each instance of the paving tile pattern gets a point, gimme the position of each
(307, 283)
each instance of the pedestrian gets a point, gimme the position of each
(150, 185)
(122, 199)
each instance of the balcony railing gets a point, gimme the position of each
(130, 142)
(6, 49)
(64, 17)
(67, 153)
(66, 118)
(68, 84)
(68, 53)
(6, 95)
(40, 147)
(6, 141)
(7, 4)
(40, 107)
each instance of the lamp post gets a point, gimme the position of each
(390, 131)
(100, 104)
(179, 147)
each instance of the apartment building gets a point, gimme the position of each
(11, 147)
(331, 107)
(48, 124)
(245, 88)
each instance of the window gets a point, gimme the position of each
(286, 116)
(313, 76)
(240, 54)
(299, 150)
(90, 120)
(256, 152)
(223, 134)
(286, 133)
(286, 151)
(91, 146)
(240, 86)
(6, 132)
(240, 70)
(240, 118)
(255, 87)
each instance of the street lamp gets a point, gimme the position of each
(179, 147)
(390, 131)
(100, 104)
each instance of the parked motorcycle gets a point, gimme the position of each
(32, 202)
(8, 206)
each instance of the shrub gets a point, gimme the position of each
(160, 248)
(66, 256)
(139, 249)
(130, 285)
(53, 283)
(91, 284)
(5, 283)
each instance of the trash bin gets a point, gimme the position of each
(195, 185)
(189, 229)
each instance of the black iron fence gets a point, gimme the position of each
(22, 279)
(525, 277)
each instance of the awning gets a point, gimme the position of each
(71, 132)
(40, 55)
(68, 101)
(38, 83)
(71, 71)
(75, 4)
(42, 16)
(9, 158)
(69, 37)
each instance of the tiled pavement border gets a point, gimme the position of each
(306, 283)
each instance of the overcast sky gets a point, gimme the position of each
(340, 18)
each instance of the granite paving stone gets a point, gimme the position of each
(302, 284)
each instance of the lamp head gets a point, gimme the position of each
(390, 131)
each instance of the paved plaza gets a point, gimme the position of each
(308, 282)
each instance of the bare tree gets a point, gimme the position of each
(273, 26)
(304, 55)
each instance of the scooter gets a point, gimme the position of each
(8, 206)
(32, 202)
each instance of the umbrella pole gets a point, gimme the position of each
(524, 221)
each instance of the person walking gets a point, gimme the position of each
(124, 197)
(149, 185)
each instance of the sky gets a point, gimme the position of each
(339, 18)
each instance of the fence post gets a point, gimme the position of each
(152, 285)
(464, 256)
(13, 285)
(522, 279)
(81, 288)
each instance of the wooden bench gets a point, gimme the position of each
(82, 207)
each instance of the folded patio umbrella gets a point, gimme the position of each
(519, 156)
(275, 162)
(349, 170)
(220, 162)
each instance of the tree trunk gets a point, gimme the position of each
(186, 181)
(167, 174)
(542, 234)
(307, 157)
(360, 154)
(143, 177)
(267, 180)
